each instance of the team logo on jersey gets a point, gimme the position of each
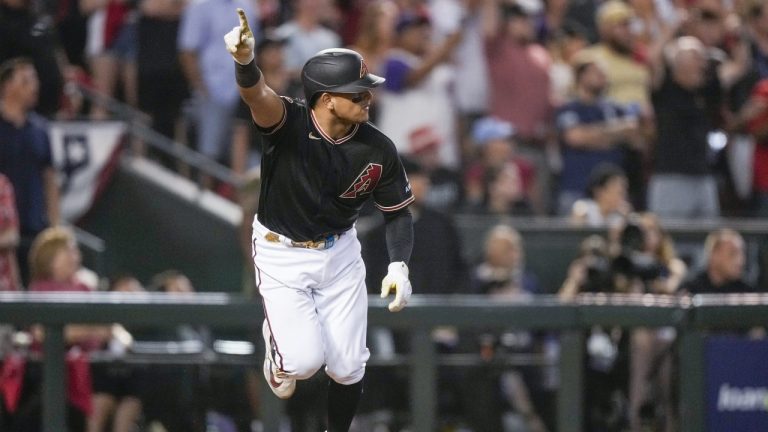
(364, 183)
(363, 68)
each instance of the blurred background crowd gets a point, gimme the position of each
(611, 115)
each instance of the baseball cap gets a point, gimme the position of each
(407, 20)
(612, 12)
(423, 140)
(491, 128)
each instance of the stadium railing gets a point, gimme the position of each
(693, 317)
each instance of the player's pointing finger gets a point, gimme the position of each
(245, 28)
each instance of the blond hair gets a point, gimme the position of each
(44, 249)
(716, 237)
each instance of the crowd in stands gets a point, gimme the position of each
(613, 114)
(669, 91)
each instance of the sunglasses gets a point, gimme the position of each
(354, 97)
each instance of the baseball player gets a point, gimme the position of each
(321, 161)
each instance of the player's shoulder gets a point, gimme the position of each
(371, 135)
(295, 107)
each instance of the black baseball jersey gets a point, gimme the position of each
(313, 186)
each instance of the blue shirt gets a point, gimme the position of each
(25, 154)
(203, 26)
(578, 163)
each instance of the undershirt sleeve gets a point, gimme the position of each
(399, 234)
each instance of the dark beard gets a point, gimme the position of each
(619, 48)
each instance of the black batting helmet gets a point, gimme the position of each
(336, 70)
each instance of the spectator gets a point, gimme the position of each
(111, 50)
(415, 104)
(161, 84)
(305, 34)
(117, 387)
(607, 352)
(504, 193)
(660, 245)
(209, 70)
(440, 267)
(446, 190)
(682, 184)
(26, 33)
(179, 408)
(725, 261)
(519, 76)
(473, 91)
(376, 34)
(497, 145)
(9, 238)
(502, 274)
(727, 48)
(55, 263)
(755, 115)
(606, 203)
(375, 39)
(628, 79)
(593, 130)
(563, 46)
(25, 156)
(651, 402)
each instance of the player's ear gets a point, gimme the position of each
(327, 100)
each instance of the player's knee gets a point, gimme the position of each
(346, 371)
(307, 365)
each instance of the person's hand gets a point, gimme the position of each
(397, 280)
(240, 41)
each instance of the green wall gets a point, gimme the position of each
(149, 229)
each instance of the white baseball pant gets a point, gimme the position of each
(316, 305)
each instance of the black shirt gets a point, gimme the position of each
(24, 34)
(683, 123)
(313, 186)
(437, 266)
(701, 284)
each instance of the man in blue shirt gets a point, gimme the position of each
(25, 154)
(592, 131)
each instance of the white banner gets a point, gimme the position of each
(82, 152)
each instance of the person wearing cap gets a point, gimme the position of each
(593, 130)
(495, 140)
(416, 100)
(628, 79)
(322, 160)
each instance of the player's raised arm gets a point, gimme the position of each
(266, 106)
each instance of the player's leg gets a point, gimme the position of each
(292, 335)
(342, 307)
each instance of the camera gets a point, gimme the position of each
(632, 261)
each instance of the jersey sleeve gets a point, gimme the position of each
(292, 112)
(394, 191)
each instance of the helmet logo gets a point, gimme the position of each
(363, 68)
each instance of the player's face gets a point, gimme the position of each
(352, 107)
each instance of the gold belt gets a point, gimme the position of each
(325, 243)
